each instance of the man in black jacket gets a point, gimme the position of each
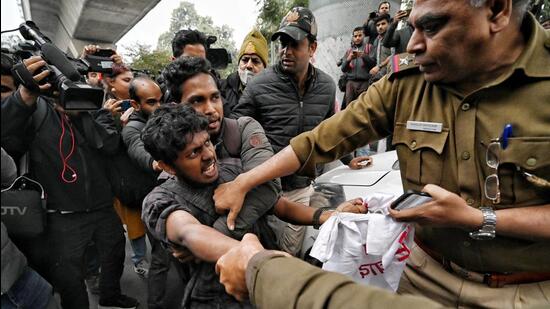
(68, 152)
(287, 99)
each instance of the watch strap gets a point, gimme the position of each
(316, 216)
(488, 228)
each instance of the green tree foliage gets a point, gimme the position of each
(186, 17)
(272, 12)
(145, 58)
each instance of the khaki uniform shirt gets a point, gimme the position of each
(454, 158)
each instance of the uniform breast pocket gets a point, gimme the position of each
(420, 154)
(525, 156)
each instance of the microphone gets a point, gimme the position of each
(57, 58)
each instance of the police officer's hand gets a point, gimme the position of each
(445, 210)
(231, 267)
(360, 162)
(33, 65)
(229, 197)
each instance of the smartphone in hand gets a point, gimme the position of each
(125, 105)
(410, 199)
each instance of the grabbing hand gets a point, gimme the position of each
(229, 197)
(355, 206)
(231, 267)
(445, 210)
(374, 70)
(360, 162)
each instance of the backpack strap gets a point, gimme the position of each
(232, 137)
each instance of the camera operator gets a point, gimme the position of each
(8, 83)
(67, 151)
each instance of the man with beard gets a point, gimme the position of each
(253, 57)
(180, 212)
(470, 120)
(287, 99)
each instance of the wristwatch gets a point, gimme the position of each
(488, 228)
(317, 216)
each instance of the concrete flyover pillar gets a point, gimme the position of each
(72, 24)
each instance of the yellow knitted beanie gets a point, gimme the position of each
(254, 43)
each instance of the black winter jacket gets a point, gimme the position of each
(94, 140)
(231, 91)
(131, 136)
(272, 98)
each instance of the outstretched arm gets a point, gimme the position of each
(204, 242)
(450, 210)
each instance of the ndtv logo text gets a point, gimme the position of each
(13, 210)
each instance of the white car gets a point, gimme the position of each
(342, 184)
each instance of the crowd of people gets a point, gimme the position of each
(217, 172)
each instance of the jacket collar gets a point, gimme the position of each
(311, 74)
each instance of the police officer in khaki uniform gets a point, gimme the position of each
(470, 118)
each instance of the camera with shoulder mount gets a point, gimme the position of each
(219, 57)
(66, 73)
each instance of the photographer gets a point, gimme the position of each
(68, 151)
(369, 27)
(356, 64)
(399, 39)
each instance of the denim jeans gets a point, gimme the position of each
(139, 247)
(29, 291)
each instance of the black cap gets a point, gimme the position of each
(298, 23)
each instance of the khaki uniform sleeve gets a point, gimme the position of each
(284, 282)
(367, 119)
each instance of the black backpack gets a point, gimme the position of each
(130, 184)
(342, 81)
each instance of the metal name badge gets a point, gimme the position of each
(425, 126)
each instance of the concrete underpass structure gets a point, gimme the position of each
(335, 22)
(72, 24)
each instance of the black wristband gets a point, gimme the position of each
(316, 216)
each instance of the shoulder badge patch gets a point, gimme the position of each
(402, 62)
(255, 140)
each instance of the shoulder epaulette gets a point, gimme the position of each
(401, 63)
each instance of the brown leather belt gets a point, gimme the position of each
(491, 279)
